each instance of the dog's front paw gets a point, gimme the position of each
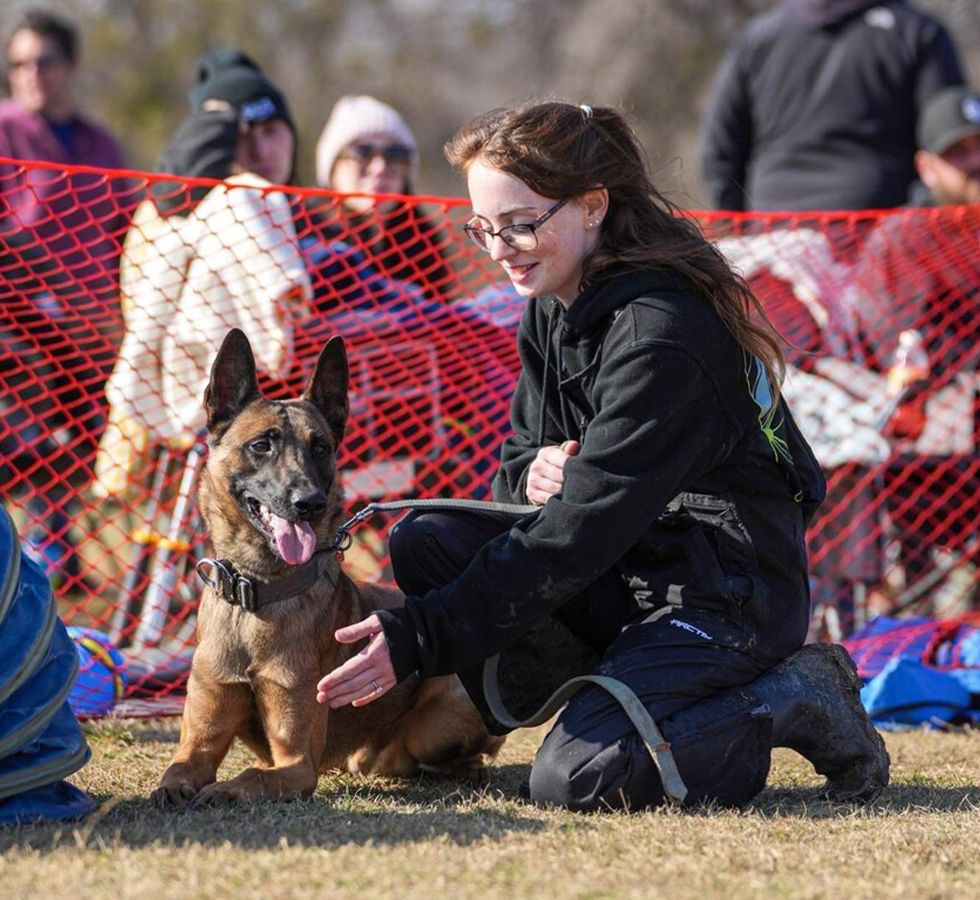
(255, 785)
(169, 796)
(222, 793)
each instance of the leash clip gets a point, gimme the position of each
(360, 516)
(342, 541)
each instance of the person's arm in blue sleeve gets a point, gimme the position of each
(660, 425)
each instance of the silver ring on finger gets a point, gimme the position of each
(375, 688)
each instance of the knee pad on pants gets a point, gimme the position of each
(721, 746)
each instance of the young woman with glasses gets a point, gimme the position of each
(367, 149)
(673, 490)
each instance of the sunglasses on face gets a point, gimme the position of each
(519, 236)
(392, 154)
(42, 63)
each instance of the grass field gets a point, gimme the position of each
(436, 838)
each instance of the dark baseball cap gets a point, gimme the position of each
(948, 117)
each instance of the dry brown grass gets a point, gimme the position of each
(432, 838)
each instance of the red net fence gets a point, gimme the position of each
(117, 289)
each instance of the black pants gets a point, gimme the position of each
(592, 758)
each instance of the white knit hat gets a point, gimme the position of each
(354, 117)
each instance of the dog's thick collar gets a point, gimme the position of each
(251, 595)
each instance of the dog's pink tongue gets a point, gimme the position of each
(294, 540)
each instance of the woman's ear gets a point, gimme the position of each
(595, 202)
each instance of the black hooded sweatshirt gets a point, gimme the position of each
(677, 483)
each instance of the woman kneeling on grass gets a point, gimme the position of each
(674, 490)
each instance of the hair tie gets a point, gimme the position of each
(586, 110)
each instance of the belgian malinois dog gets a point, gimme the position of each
(271, 498)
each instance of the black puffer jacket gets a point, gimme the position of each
(676, 483)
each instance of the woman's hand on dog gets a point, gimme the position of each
(366, 675)
(547, 473)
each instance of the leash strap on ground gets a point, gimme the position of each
(653, 740)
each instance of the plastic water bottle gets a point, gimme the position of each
(909, 370)
(910, 362)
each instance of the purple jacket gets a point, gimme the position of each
(67, 228)
(26, 135)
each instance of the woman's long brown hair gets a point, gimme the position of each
(561, 151)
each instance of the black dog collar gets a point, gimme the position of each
(239, 590)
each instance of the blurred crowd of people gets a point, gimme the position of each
(862, 105)
(820, 105)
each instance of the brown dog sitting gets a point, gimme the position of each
(271, 499)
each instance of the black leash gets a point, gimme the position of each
(343, 539)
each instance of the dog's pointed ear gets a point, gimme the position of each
(327, 389)
(233, 383)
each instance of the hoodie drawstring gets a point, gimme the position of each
(547, 373)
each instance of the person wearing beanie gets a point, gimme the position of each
(239, 122)
(230, 79)
(366, 148)
(200, 260)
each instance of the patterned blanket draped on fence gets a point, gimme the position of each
(118, 287)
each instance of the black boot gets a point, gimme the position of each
(815, 699)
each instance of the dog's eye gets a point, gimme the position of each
(261, 447)
(319, 448)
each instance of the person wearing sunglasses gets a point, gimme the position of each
(59, 254)
(41, 119)
(366, 149)
(670, 490)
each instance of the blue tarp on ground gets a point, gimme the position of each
(41, 741)
(906, 692)
(919, 671)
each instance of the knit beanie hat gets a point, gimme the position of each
(236, 78)
(355, 117)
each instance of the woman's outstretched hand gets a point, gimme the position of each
(547, 472)
(365, 676)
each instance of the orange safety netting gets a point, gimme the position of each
(118, 287)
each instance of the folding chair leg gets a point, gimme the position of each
(163, 581)
(144, 540)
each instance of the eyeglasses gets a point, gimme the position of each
(392, 154)
(519, 236)
(42, 63)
